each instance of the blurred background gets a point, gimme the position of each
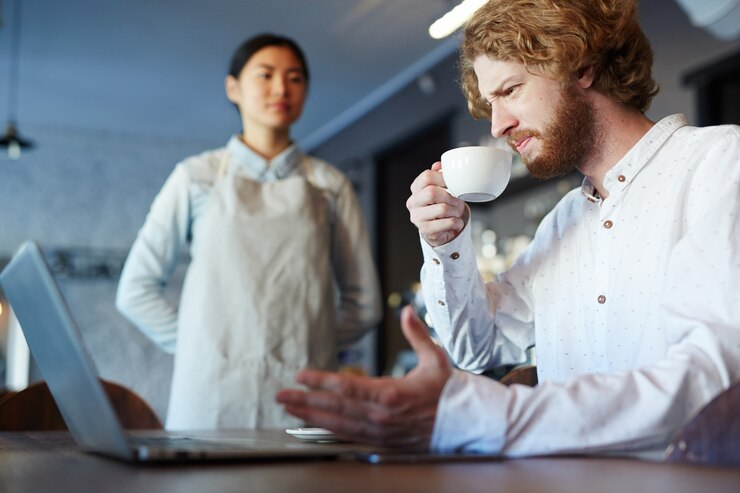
(109, 95)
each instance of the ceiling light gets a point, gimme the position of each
(11, 140)
(448, 23)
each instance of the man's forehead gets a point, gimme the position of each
(493, 71)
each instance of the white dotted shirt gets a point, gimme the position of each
(633, 302)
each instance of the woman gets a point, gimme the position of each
(275, 237)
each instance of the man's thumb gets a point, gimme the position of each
(415, 330)
(428, 352)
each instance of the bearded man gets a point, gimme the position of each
(630, 289)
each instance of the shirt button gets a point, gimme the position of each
(608, 224)
(441, 303)
(621, 178)
(435, 260)
(601, 299)
(455, 256)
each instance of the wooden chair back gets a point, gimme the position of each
(34, 409)
(524, 375)
(712, 437)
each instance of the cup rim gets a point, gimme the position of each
(461, 148)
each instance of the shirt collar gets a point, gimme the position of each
(245, 161)
(622, 173)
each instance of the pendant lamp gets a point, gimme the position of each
(11, 139)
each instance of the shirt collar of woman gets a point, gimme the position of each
(247, 162)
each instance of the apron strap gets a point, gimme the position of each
(223, 165)
(311, 178)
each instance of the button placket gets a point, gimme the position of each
(604, 236)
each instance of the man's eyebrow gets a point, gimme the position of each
(499, 89)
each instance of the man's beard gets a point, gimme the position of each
(567, 142)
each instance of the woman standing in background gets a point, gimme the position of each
(281, 276)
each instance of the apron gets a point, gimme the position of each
(257, 303)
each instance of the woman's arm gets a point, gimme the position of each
(359, 305)
(152, 260)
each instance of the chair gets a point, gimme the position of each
(711, 437)
(34, 409)
(523, 375)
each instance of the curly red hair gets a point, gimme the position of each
(557, 39)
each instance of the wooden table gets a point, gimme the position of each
(50, 462)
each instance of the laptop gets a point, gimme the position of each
(57, 347)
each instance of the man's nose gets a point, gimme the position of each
(502, 121)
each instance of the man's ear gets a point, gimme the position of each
(586, 76)
(232, 89)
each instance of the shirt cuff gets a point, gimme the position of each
(471, 415)
(451, 251)
(447, 273)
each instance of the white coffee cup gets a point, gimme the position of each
(476, 173)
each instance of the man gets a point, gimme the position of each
(630, 288)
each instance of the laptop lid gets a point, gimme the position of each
(56, 345)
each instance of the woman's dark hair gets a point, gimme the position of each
(248, 48)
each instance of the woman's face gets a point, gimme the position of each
(270, 90)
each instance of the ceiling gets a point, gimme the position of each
(157, 67)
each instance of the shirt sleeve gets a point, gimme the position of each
(152, 260)
(638, 410)
(355, 274)
(480, 325)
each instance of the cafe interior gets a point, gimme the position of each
(100, 100)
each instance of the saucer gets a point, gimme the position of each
(319, 435)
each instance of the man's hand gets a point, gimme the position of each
(398, 412)
(439, 216)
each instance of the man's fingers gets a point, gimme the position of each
(358, 430)
(432, 212)
(351, 386)
(430, 196)
(348, 419)
(327, 402)
(426, 178)
(344, 427)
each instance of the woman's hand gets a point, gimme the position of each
(439, 216)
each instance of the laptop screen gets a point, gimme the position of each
(56, 345)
